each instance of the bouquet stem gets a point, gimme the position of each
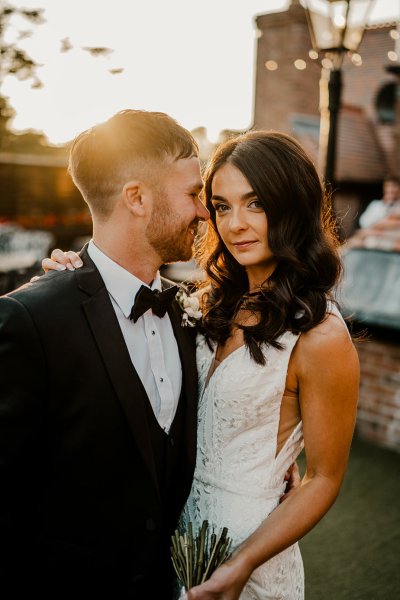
(195, 561)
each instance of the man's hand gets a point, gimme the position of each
(293, 479)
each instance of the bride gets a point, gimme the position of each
(277, 368)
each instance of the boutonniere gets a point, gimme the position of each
(190, 306)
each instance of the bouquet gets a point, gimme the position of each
(196, 559)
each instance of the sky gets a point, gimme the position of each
(192, 59)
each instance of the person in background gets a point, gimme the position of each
(378, 210)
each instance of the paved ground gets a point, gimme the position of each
(354, 552)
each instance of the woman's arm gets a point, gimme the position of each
(327, 369)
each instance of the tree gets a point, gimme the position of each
(15, 61)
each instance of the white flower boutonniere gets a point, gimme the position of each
(190, 306)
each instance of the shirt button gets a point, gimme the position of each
(153, 332)
(161, 379)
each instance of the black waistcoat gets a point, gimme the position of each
(169, 454)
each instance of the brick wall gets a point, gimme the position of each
(40, 196)
(379, 405)
(284, 38)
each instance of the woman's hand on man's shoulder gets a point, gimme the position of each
(60, 261)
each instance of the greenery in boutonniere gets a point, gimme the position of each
(196, 559)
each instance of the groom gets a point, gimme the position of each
(98, 393)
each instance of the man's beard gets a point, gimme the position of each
(168, 235)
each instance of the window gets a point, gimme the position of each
(386, 103)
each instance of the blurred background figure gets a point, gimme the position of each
(379, 209)
(21, 251)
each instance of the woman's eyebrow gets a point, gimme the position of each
(251, 194)
(244, 197)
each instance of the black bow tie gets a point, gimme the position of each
(159, 302)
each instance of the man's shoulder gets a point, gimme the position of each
(54, 295)
(47, 286)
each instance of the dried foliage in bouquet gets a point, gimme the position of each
(196, 559)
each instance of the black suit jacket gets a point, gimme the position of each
(80, 507)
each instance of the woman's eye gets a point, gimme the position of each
(221, 208)
(255, 204)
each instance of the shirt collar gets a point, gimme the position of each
(120, 284)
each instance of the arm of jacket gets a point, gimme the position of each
(22, 396)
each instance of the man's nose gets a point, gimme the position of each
(203, 214)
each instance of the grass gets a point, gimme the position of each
(354, 552)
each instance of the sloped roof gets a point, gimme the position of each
(359, 155)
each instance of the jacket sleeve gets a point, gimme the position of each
(22, 399)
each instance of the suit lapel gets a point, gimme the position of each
(111, 344)
(185, 337)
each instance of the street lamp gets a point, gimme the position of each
(336, 27)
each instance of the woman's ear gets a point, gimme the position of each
(135, 197)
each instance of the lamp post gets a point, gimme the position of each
(395, 70)
(336, 27)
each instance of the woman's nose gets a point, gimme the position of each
(236, 221)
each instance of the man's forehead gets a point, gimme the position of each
(187, 169)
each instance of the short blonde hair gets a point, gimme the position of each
(131, 144)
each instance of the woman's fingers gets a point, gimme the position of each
(59, 261)
(51, 265)
(74, 259)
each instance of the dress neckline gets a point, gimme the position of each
(219, 363)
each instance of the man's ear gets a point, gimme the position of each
(136, 198)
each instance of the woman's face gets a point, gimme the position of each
(242, 223)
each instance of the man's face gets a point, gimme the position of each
(391, 192)
(177, 211)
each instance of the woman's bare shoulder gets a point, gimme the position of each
(328, 343)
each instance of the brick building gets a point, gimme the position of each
(287, 87)
(378, 418)
(37, 193)
(371, 295)
(287, 98)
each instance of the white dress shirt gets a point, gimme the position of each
(150, 341)
(376, 211)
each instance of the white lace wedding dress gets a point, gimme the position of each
(239, 479)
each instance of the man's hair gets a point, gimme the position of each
(131, 144)
(392, 179)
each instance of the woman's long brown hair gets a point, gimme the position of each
(300, 235)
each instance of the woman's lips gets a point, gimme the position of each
(244, 245)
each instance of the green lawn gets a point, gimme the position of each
(354, 552)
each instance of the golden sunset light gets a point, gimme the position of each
(200, 299)
(192, 60)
